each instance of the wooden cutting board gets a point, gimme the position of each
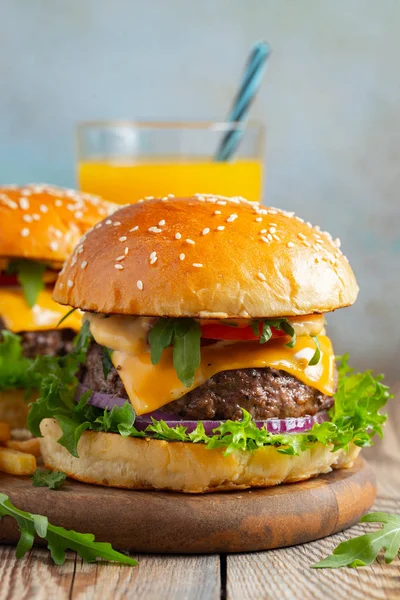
(170, 522)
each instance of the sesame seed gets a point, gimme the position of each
(139, 284)
(269, 236)
(307, 244)
(337, 243)
(161, 223)
(264, 239)
(220, 227)
(263, 231)
(189, 241)
(217, 212)
(108, 222)
(170, 195)
(273, 212)
(58, 203)
(134, 228)
(98, 225)
(309, 224)
(182, 256)
(117, 223)
(259, 219)
(221, 202)
(80, 249)
(273, 225)
(84, 264)
(73, 261)
(24, 203)
(53, 246)
(126, 251)
(301, 236)
(231, 218)
(153, 254)
(123, 238)
(317, 247)
(122, 257)
(149, 197)
(153, 260)
(154, 230)
(198, 265)
(25, 232)
(178, 236)
(27, 218)
(272, 230)
(70, 283)
(43, 208)
(119, 267)
(36, 217)
(261, 276)
(61, 285)
(78, 214)
(290, 245)
(205, 231)
(277, 238)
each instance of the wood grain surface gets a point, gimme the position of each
(274, 574)
(244, 521)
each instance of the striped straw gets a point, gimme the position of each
(250, 84)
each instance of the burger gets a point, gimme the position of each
(207, 363)
(39, 227)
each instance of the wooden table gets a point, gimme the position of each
(276, 574)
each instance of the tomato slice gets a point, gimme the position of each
(215, 331)
(8, 280)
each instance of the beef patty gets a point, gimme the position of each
(264, 393)
(54, 342)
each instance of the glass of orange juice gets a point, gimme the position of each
(125, 161)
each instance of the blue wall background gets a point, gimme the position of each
(331, 101)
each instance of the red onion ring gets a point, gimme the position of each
(289, 425)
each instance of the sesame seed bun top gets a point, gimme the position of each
(209, 257)
(44, 223)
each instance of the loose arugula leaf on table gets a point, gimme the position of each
(53, 480)
(364, 549)
(58, 539)
(30, 277)
(184, 335)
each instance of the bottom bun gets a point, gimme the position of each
(13, 408)
(143, 463)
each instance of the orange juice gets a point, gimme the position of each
(128, 182)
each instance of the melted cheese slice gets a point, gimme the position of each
(45, 314)
(150, 387)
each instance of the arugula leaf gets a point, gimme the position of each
(30, 277)
(316, 357)
(106, 362)
(58, 539)
(66, 316)
(160, 337)
(364, 549)
(278, 324)
(184, 335)
(48, 478)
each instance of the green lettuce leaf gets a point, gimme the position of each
(14, 367)
(355, 418)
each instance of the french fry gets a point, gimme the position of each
(16, 463)
(31, 446)
(4, 431)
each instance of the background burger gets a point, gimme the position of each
(208, 366)
(39, 227)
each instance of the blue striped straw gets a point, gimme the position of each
(249, 86)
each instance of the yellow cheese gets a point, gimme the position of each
(45, 314)
(150, 387)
